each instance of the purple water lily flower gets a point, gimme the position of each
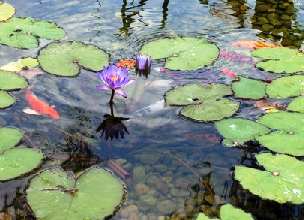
(115, 78)
(143, 62)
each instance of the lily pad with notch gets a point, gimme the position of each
(6, 11)
(237, 131)
(289, 135)
(249, 88)
(182, 53)
(280, 59)
(11, 81)
(282, 180)
(16, 161)
(56, 194)
(6, 100)
(296, 105)
(203, 103)
(66, 58)
(23, 32)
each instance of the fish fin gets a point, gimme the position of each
(30, 111)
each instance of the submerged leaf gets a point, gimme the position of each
(95, 194)
(282, 181)
(65, 59)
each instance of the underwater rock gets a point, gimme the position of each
(166, 207)
(138, 173)
(141, 188)
(149, 159)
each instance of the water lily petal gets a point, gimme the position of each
(121, 92)
(104, 87)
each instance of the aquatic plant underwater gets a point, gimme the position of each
(92, 192)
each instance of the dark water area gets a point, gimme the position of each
(166, 154)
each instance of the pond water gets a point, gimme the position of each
(166, 155)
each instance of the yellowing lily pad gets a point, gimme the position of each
(20, 64)
(203, 103)
(280, 59)
(6, 11)
(187, 53)
(237, 131)
(94, 194)
(23, 32)
(285, 87)
(282, 181)
(65, 59)
(249, 88)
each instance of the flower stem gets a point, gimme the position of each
(112, 96)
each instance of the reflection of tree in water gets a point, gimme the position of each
(128, 14)
(275, 19)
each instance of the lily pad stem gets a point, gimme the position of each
(112, 96)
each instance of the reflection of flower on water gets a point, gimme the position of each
(112, 126)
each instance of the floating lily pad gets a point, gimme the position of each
(249, 88)
(18, 161)
(285, 121)
(282, 181)
(284, 87)
(203, 103)
(228, 212)
(65, 59)
(9, 138)
(237, 131)
(94, 194)
(23, 32)
(186, 53)
(11, 81)
(6, 11)
(297, 105)
(280, 59)
(284, 142)
(6, 100)
(20, 64)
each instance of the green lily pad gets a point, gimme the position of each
(280, 59)
(11, 81)
(284, 142)
(249, 88)
(282, 181)
(285, 121)
(203, 103)
(18, 161)
(23, 32)
(186, 53)
(297, 105)
(211, 110)
(65, 59)
(6, 11)
(29, 62)
(238, 131)
(228, 212)
(9, 137)
(94, 194)
(6, 100)
(284, 87)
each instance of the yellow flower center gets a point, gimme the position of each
(113, 78)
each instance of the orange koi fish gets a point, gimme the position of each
(126, 63)
(253, 44)
(40, 107)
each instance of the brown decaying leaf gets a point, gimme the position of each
(266, 105)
